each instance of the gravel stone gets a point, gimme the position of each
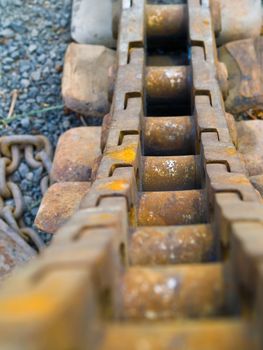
(32, 48)
(7, 33)
(18, 27)
(34, 36)
(27, 200)
(24, 185)
(34, 211)
(3, 3)
(25, 122)
(16, 177)
(25, 83)
(29, 176)
(15, 55)
(36, 75)
(34, 32)
(23, 169)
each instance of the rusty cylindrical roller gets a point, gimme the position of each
(172, 208)
(232, 20)
(173, 292)
(171, 173)
(169, 136)
(166, 21)
(168, 84)
(161, 245)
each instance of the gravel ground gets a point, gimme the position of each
(34, 35)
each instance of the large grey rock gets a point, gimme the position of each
(243, 60)
(250, 145)
(91, 22)
(239, 19)
(85, 82)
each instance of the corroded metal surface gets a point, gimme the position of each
(76, 155)
(84, 282)
(202, 335)
(171, 173)
(156, 294)
(161, 245)
(172, 208)
(14, 251)
(168, 84)
(63, 199)
(169, 136)
(166, 21)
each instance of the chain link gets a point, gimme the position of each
(36, 151)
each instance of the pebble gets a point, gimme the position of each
(33, 91)
(25, 82)
(32, 48)
(34, 211)
(15, 55)
(23, 185)
(36, 75)
(16, 177)
(7, 33)
(42, 58)
(34, 32)
(25, 122)
(10, 202)
(7, 60)
(46, 70)
(17, 2)
(24, 66)
(35, 40)
(23, 169)
(18, 28)
(3, 3)
(27, 200)
(29, 176)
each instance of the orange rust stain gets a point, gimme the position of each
(132, 217)
(126, 154)
(116, 185)
(238, 180)
(27, 306)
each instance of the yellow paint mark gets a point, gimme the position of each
(27, 306)
(115, 185)
(231, 151)
(126, 154)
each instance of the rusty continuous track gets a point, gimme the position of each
(166, 249)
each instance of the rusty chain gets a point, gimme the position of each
(36, 151)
